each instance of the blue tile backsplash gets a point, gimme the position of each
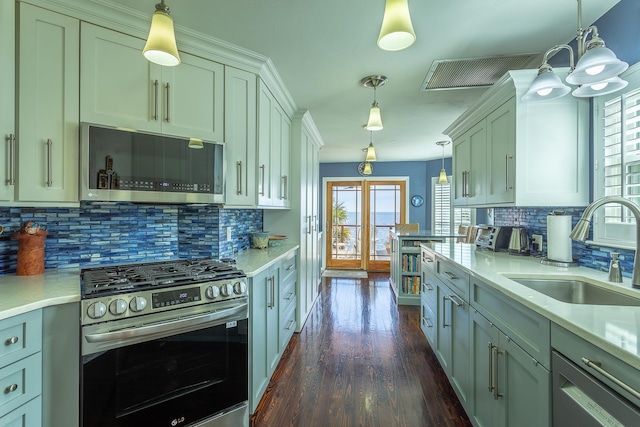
(106, 233)
(535, 221)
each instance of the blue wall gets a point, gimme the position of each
(419, 173)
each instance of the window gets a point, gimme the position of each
(617, 161)
(444, 218)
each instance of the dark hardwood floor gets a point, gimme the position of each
(359, 361)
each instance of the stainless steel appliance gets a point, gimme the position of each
(164, 344)
(519, 241)
(125, 165)
(579, 399)
(494, 238)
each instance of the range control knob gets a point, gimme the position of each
(239, 288)
(97, 310)
(138, 304)
(117, 307)
(226, 289)
(212, 292)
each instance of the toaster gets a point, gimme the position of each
(494, 238)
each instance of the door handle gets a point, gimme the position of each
(49, 166)
(167, 118)
(506, 172)
(239, 177)
(496, 352)
(155, 100)
(490, 347)
(12, 160)
(262, 180)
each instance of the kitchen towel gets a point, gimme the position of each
(558, 240)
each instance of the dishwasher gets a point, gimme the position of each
(579, 399)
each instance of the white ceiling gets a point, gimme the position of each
(323, 48)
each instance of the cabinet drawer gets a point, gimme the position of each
(289, 267)
(428, 322)
(28, 415)
(20, 382)
(454, 276)
(429, 285)
(287, 296)
(427, 260)
(287, 326)
(525, 327)
(575, 348)
(20, 336)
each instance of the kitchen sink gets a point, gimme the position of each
(576, 291)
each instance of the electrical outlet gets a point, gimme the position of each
(537, 242)
(228, 233)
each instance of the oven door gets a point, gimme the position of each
(168, 379)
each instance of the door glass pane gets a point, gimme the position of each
(346, 222)
(384, 213)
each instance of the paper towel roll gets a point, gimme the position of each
(558, 240)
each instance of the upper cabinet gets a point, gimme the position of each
(510, 153)
(47, 137)
(7, 97)
(274, 143)
(119, 87)
(240, 136)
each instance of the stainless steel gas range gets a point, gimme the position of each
(164, 344)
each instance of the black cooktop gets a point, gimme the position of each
(123, 278)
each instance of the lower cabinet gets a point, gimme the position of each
(27, 415)
(509, 387)
(272, 317)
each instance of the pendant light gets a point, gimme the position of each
(596, 72)
(397, 30)
(371, 152)
(442, 179)
(375, 119)
(161, 45)
(368, 170)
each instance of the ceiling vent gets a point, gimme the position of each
(476, 72)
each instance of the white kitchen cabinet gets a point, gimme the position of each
(47, 137)
(509, 387)
(7, 100)
(240, 137)
(119, 87)
(300, 223)
(533, 154)
(274, 143)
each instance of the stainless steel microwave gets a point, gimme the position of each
(126, 165)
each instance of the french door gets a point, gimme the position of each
(360, 217)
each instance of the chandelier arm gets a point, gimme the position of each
(554, 50)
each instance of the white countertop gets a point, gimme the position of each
(615, 329)
(21, 294)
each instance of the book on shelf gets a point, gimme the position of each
(411, 285)
(410, 263)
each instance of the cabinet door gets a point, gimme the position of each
(266, 108)
(273, 319)
(275, 156)
(240, 137)
(193, 99)
(7, 100)
(118, 86)
(501, 150)
(477, 177)
(524, 387)
(461, 168)
(444, 330)
(285, 160)
(259, 370)
(460, 346)
(48, 106)
(484, 337)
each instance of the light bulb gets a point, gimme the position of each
(599, 86)
(544, 92)
(592, 71)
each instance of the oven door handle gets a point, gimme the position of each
(175, 324)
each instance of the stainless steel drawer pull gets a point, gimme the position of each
(239, 177)
(457, 301)
(290, 325)
(291, 267)
(595, 366)
(12, 340)
(427, 287)
(10, 388)
(49, 172)
(450, 275)
(11, 180)
(288, 297)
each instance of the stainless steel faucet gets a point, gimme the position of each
(581, 230)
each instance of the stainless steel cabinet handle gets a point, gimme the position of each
(594, 365)
(454, 299)
(262, 180)
(444, 312)
(155, 100)
(465, 177)
(272, 304)
(496, 352)
(450, 275)
(166, 115)
(506, 172)
(314, 222)
(427, 322)
(49, 172)
(12, 340)
(309, 224)
(239, 177)
(284, 187)
(288, 297)
(291, 267)
(426, 286)
(290, 325)
(10, 388)
(490, 346)
(11, 180)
